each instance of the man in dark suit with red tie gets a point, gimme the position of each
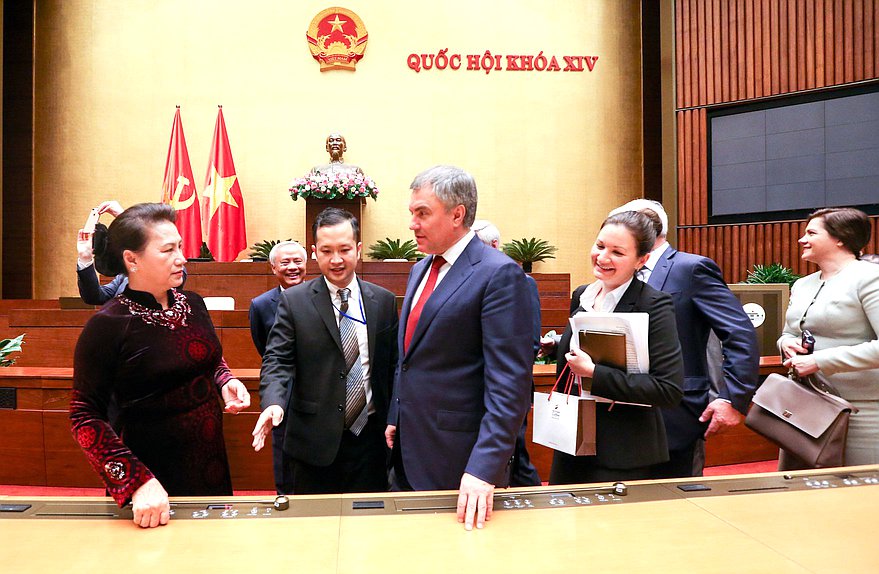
(463, 381)
(329, 367)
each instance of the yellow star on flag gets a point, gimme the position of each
(217, 191)
(337, 24)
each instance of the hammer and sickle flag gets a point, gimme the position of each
(222, 202)
(180, 192)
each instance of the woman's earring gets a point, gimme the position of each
(134, 269)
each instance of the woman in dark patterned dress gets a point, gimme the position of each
(152, 353)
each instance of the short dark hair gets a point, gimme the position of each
(846, 224)
(129, 231)
(334, 216)
(640, 225)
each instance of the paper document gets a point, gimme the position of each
(634, 326)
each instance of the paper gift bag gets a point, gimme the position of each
(564, 422)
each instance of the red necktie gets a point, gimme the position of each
(415, 313)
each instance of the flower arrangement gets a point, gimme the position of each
(333, 185)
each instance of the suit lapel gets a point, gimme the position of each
(630, 298)
(660, 273)
(320, 297)
(275, 297)
(454, 278)
(370, 309)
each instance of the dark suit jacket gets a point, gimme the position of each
(262, 317)
(304, 371)
(629, 436)
(535, 306)
(92, 292)
(463, 387)
(702, 303)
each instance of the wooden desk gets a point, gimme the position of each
(44, 453)
(784, 527)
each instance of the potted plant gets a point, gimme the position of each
(260, 251)
(8, 346)
(774, 273)
(527, 251)
(388, 249)
(204, 254)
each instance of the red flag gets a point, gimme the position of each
(222, 202)
(180, 192)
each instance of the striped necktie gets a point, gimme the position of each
(355, 393)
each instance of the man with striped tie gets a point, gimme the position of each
(329, 368)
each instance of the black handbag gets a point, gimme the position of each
(804, 417)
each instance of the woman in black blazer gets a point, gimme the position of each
(629, 439)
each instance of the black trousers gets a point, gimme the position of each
(361, 465)
(680, 463)
(282, 463)
(567, 469)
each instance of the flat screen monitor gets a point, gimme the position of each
(783, 158)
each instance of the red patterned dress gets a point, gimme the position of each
(163, 371)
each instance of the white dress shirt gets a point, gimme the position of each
(451, 255)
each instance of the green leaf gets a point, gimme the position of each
(774, 273)
(529, 250)
(263, 248)
(388, 248)
(8, 346)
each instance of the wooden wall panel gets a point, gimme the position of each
(735, 51)
(736, 248)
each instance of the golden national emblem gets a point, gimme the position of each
(337, 39)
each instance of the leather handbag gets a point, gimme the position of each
(804, 417)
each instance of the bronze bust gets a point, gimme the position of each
(336, 146)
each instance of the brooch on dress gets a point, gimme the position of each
(171, 318)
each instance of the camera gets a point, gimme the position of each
(808, 342)
(92, 220)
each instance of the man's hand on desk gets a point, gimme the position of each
(268, 419)
(475, 500)
(722, 416)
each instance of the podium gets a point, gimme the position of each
(313, 206)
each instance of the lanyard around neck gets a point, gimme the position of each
(355, 319)
(812, 302)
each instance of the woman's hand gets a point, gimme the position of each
(235, 396)
(790, 347)
(84, 247)
(111, 207)
(580, 363)
(150, 505)
(548, 345)
(802, 365)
